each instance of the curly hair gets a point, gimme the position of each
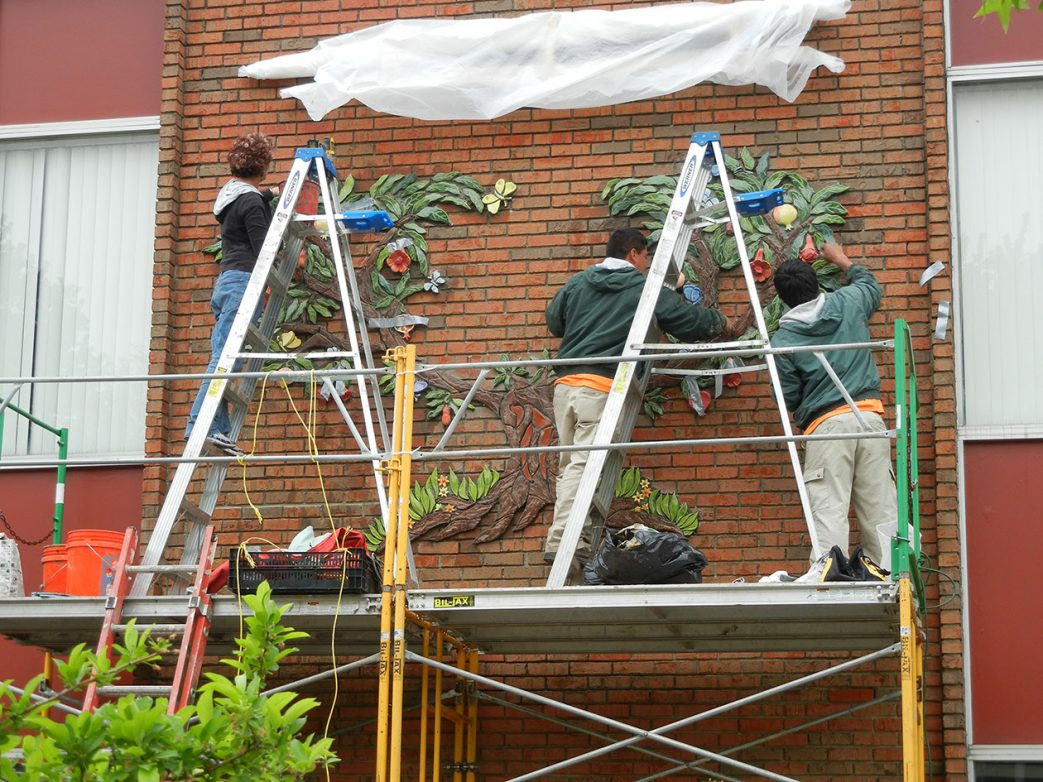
(250, 155)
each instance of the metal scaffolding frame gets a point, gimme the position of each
(456, 606)
(884, 618)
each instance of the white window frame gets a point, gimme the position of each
(84, 128)
(36, 131)
(976, 74)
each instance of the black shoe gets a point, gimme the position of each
(225, 444)
(836, 567)
(862, 568)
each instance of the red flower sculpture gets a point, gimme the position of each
(399, 261)
(760, 267)
(808, 252)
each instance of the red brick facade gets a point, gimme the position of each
(879, 127)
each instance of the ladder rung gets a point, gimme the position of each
(151, 689)
(317, 355)
(277, 285)
(255, 339)
(162, 568)
(194, 512)
(153, 629)
(233, 393)
(209, 449)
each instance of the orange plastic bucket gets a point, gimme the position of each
(92, 554)
(55, 567)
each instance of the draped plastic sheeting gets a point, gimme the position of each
(437, 69)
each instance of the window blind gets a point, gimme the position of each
(77, 218)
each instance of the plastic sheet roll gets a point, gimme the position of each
(473, 69)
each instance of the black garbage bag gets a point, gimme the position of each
(640, 555)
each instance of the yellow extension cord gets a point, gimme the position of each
(313, 452)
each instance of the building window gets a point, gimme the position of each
(999, 165)
(77, 225)
(1008, 772)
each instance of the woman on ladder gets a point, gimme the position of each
(244, 212)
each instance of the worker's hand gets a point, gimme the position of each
(834, 253)
(680, 281)
(275, 191)
(724, 323)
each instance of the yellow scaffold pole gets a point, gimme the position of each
(424, 696)
(459, 722)
(912, 686)
(436, 756)
(472, 722)
(407, 356)
(393, 469)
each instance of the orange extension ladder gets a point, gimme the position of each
(193, 631)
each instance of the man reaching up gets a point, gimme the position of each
(592, 314)
(838, 473)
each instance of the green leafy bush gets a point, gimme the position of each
(233, 732)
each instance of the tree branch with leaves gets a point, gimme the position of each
(1003, 9)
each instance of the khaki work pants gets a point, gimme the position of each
(842, 473)
(577, 411)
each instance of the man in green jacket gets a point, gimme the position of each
(592, 314)
(838, 473)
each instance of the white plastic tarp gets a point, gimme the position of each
(449, 69)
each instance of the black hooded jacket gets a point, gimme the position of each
(244, 213)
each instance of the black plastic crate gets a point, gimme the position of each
(303, 572)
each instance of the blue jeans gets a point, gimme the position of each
(225, 301)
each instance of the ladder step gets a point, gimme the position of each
(118, 690)
(255, 340)
(162, 568)
(194, 512)
(235, 397)
(605, 494)
(167, 629)
(277, 285)
(316, 356)
(601, 506)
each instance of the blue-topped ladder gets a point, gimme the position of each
(248, 348)
(689, 209)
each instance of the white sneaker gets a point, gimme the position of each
(225, 444)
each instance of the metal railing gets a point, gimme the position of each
(63, 454)
(905, 546)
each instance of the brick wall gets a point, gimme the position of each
(878, 127)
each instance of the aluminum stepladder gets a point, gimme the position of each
(193, 631)
(248, 343)
(596, 489)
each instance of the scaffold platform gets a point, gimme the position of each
(59, 623)
(666, 618)
(657, 619)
